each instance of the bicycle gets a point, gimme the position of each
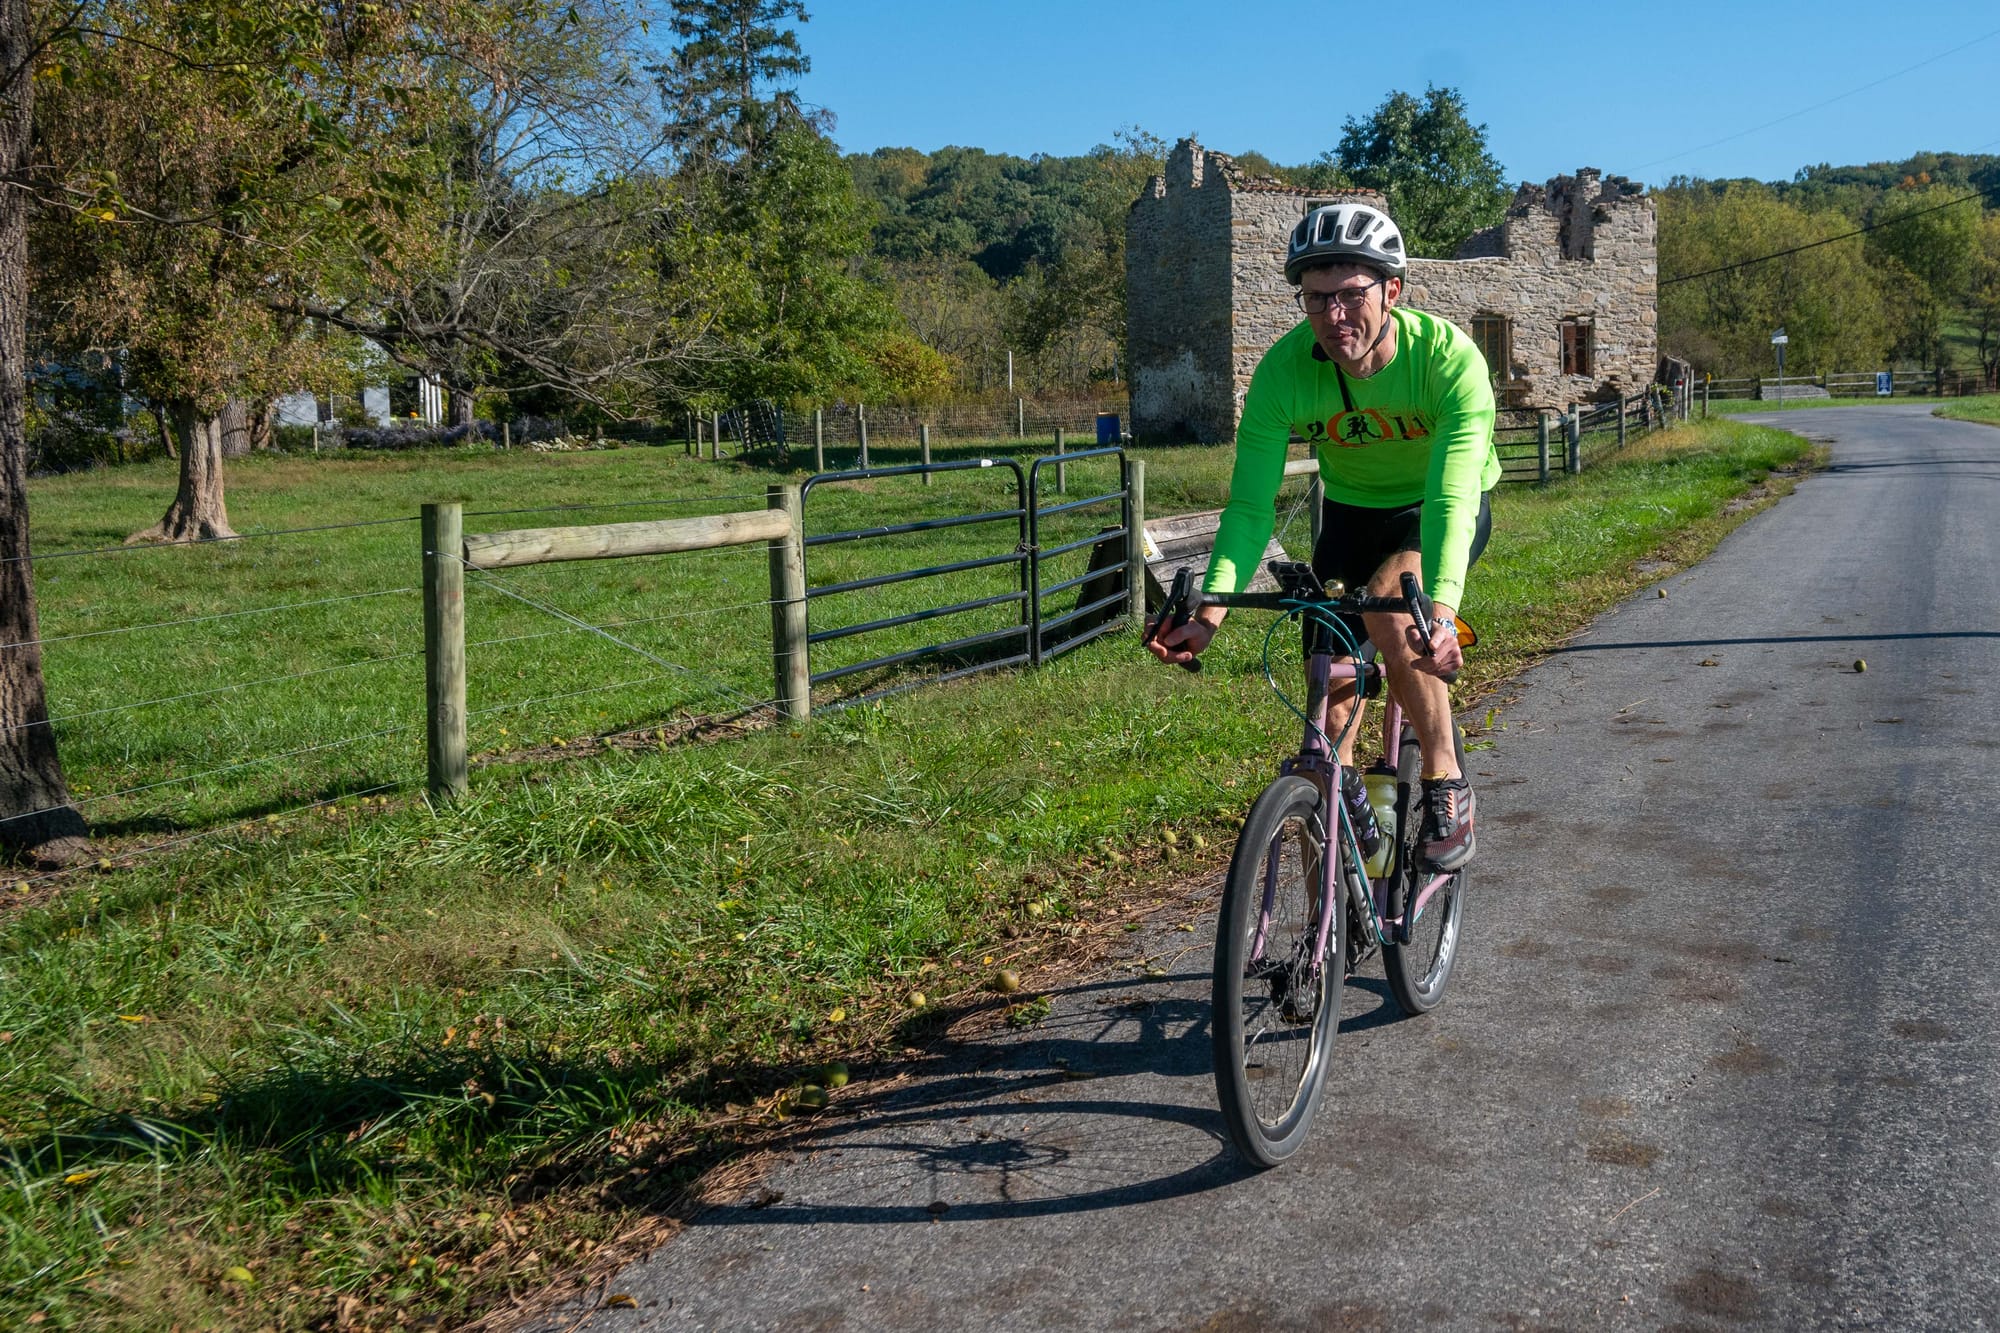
(1276, 1003)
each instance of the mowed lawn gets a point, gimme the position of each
(196, 685)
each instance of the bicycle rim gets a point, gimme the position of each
(1276, 1006)
(1419, 969)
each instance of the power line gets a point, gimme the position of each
(1794, 115)
(1813, 245)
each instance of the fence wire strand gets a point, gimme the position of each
(202, 620)
(206, 541)
(750, 706)
(622, 624)
(620, 504)
(220, 689)
(500, 586)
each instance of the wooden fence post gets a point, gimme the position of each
(819, 440)
(790, 667)
(1020, 418)
(1573, 437)
(924, 450)
(861, 429)
(1704, 395)
(1541, 446)
(1062, 469)
(715, 437)
(1621, 420)
(1135, 543)
(443, 529)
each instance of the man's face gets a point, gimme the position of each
(1348, 335)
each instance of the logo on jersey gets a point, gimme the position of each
(1365, 426)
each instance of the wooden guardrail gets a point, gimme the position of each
(448, 553)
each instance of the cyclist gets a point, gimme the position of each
(1399, 407)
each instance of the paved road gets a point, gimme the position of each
(1720, 1053)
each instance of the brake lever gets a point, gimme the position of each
(1175, 614)
(1421, 611)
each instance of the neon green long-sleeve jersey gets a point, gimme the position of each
(1418, 430)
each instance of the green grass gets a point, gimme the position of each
(418, 1059)
(1731, 406)
(244, 715)
(1971, 409)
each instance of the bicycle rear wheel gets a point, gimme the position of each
(1419, 956)
(1276, 1004)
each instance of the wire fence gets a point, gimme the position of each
(293, 678)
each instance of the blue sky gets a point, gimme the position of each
(1645, 91)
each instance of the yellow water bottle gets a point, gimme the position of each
(1382, 798)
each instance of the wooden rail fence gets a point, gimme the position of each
(448, 552)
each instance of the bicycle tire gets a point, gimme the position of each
(1418, 959)
(1275, 1010)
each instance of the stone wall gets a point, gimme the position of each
(1206, 295)
(1579, 248)
(1177, 285)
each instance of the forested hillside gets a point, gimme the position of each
(1889, 263)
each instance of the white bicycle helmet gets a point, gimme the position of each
(1346, 234)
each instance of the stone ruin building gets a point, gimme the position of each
(1561, 296)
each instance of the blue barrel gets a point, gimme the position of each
(1107, 428)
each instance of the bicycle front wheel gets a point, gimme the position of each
(1419, 956)
(1277, 996)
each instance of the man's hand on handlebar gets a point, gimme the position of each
(1441, 656)
(1182, 643)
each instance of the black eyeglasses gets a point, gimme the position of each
(1349, 299)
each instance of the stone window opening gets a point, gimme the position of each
(1576, 347)
(1494, 335)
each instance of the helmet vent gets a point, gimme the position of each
(1358, 224)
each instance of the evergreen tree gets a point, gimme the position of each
(726, 87)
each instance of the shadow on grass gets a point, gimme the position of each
(528, 1123)
(148, 825)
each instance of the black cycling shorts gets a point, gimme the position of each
(1354, 541)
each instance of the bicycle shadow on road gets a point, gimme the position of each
(1108, 1104)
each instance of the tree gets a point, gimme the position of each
(1830, 299)
(1433, 164)
(726, 86)
(1934, 243)
(528, 256)
(204, 161)
(1984, 303)
(37, 817)
(768, 215)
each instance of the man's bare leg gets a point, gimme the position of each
(1426, 700)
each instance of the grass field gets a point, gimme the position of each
(193, 686)
(374, 1064)
(1972, 409)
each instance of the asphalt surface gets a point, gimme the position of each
(1720, 1051)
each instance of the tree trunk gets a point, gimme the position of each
(37, 820)
(263, 430)
(461, 405)
(197, 513)
(237, 439)
(166, 435)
